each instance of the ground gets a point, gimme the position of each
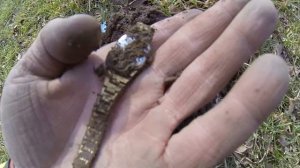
(275, 144)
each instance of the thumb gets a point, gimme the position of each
(61, 43)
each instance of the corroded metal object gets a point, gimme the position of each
(129, 57)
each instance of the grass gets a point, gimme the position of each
(275, 144)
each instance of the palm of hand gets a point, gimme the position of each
(46, 102)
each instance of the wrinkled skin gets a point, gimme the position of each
(49, 94)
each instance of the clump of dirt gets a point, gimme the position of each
(128, 16)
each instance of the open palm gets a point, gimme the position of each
(49, 94)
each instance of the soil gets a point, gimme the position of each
(127, 16)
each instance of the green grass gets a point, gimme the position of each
(282, 145)
(275, 144)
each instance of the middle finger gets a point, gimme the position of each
(195, 37)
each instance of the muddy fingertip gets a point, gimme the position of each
(70, 40)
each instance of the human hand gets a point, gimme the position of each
(49, 94)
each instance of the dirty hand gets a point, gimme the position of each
(49, 94)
